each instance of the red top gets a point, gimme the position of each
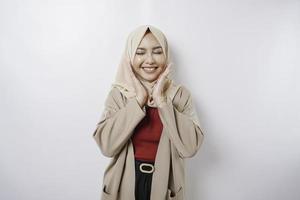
(147, 135)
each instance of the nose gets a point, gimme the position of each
(149, 59)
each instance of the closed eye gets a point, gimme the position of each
(140, 51)
(157, 50)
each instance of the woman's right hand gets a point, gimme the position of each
(141, 92)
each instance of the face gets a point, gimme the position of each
(149, 60)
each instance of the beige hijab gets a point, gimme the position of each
(123, 80)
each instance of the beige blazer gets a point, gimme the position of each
(180, 139)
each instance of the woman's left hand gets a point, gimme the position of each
(158, 91)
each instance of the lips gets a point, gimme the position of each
(149, 69)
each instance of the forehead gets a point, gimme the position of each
(149, 41)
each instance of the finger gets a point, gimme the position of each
(167, 70)
(169, 66)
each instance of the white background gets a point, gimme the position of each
(240, 60)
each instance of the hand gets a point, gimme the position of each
(158, 92)
(141, 92)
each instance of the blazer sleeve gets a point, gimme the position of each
(117, 123)
(176, 116)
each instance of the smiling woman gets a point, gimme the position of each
(149, 125)
(149, 61)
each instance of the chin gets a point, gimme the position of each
(150, 79)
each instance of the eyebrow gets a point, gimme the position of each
(157, 47)
(141, 48)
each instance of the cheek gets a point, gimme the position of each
(137, 62)
(161, 60)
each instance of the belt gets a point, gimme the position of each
(145, 167)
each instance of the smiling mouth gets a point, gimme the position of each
(149, 69)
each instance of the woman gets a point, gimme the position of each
(149, 125)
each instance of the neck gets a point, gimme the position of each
(148, 85)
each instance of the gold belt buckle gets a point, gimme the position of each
(145, 171)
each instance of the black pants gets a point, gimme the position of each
(142, 182)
